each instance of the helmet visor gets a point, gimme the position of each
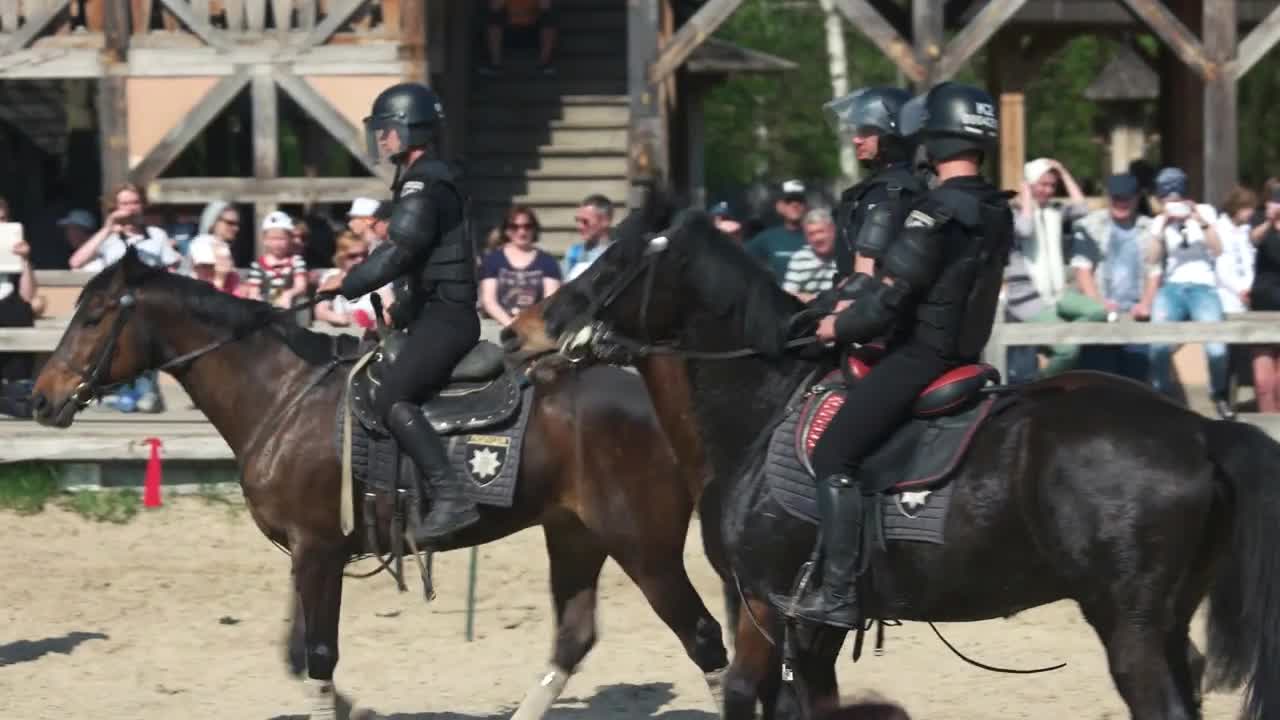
(386, 138)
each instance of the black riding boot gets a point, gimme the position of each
(834, 601)
(450, 510)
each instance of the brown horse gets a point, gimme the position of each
(272, 390)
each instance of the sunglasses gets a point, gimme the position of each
(357, 255)
(232, 223)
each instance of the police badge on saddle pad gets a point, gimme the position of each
(485, 457)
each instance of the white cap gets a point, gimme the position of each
(202, 253)
(277, 221)
(363, 207)
(793, 187)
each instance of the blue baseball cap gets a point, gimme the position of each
(1123, 185)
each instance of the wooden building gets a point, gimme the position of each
(260, 102)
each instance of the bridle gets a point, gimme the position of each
(596, 339)
(91, 378)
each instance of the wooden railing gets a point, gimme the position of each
(233, 19)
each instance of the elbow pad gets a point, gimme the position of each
(858, 285)
(385, 264)
(915, 259)
(876, 231)
(412, 223)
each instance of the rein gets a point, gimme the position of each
(91, 384)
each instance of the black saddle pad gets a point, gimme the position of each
(488, 461)
(910, 471)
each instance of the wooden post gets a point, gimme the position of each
(691, 34)
(113, 107)
(266, 145)
(413, 42)
(1181, 115)
(695, 126)
(926, 36)
(884, 36)
(1221, 144)
(647, 137)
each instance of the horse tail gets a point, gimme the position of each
(1244, 611)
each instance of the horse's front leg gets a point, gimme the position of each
(317, 572)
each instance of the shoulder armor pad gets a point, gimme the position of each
(964, 207)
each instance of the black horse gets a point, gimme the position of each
(1087, 487)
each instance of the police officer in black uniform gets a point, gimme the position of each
(936, 288)
(428, 258)
(870, 213)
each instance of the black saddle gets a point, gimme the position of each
(480, 392)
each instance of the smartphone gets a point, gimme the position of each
(10, 235)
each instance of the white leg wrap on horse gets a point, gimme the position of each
(323, 700)
(542, 696)
(715, 683)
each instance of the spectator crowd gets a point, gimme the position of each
(1152, 253)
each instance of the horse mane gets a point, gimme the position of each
(733, 284)
(202, 301)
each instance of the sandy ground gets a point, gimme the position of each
(181, 614)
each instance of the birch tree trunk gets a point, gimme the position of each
(838, 65)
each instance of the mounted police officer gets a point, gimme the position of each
(429, 261)
(870, 212)
(935, 292)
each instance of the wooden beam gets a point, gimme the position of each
(303, 190)
(329, 118)
(112, 101)
(974, 36)
(646, 137)
(200, 26)
(1180, 40)
(266, 125)
(1257, 43)
(181, 135)
(340, 11)
(413, 42)
(36, 23)
(927, 37)
(691, 34)
(1221, 146)
(866, 20)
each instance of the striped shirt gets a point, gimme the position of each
(808, 273)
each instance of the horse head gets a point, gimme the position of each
(106, 343)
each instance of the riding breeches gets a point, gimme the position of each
(438, 339)
(875, 407)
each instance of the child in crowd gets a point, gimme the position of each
(279, 276)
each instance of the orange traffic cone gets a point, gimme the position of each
(151, 484)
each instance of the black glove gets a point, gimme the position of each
(824, 303)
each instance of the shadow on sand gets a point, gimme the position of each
(621, 702)
(27, 650)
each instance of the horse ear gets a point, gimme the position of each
(134, 268)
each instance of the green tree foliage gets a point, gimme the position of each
(1060, 122)
(772, 126)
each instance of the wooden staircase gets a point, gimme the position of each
(548, 142)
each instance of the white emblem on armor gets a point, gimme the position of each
(656, 245)
(919, 218)
(485, 464)
(911, 503)
(411, 187)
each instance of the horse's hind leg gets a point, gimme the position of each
(576, 556)
(1139, 651)
(317, 570)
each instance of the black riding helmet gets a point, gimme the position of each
(958, 118)
(871, 108)
(410, 110)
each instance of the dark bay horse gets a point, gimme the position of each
(1087, 487)
(596, 473)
